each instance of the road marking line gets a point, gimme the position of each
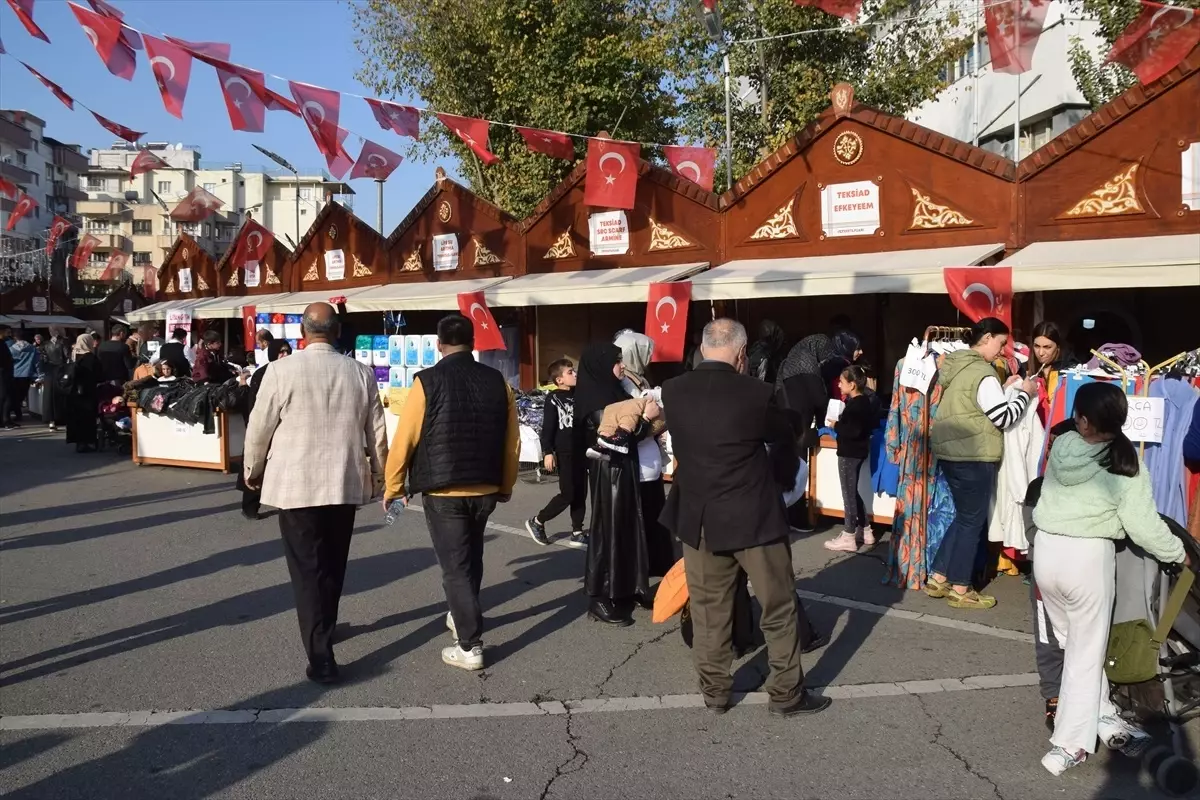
(248, 716)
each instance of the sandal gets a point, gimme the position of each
(970, 599)
(936, 589)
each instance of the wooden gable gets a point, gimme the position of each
(37, 297)
(488, 239)
(1120, 171)
(186, 254)
(120, 301)
(274, 271)
(336, 231)
(673, 221)
(928, 191)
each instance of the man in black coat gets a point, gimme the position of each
(116, 362)
(175, 353)
(726, 507)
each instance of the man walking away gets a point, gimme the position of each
(25, 369)
(727, 509)
(316, 446)
(457, 444)
(116, 362)
(175, 351)
(558, 445)
(7, 389)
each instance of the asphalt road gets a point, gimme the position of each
(148, 649)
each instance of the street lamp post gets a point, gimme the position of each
(710, 18)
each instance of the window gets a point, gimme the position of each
(98, 225)
(21, 158)
(49, 172)
(35, 145)
(210, 187)
(166, 228)
(141, 259)
(304, 212)
(164, 187)
(143, 227)
(207, 230)
(35, 179)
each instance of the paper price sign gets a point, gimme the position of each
(917, 370)
(1145, 420)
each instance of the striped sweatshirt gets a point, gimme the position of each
(1003, 409)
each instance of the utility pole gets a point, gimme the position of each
(379, 206)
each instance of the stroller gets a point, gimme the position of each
(116, 425)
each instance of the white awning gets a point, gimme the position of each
(424, 296)
(1107, 263)
(296, 302)
(42, 320)
(156, 311)
(898, 271)
(231, 307)
(625, 285)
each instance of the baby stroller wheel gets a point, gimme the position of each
(1177, 777)
(1155, 756)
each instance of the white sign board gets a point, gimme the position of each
(609, 233)
(850, 209)
(1191, 176)
(335, 265)
(127, 305)
(250, 274)
(445, 252)
(1145, 420)
(918, 369)
(185, 279)
(178, 319)
(40, 305)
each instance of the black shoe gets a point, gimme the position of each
(607, 612)
(578, 540)
(537, 531)
(806, 703)
(249, 514)
(325, 672)
(818, 641)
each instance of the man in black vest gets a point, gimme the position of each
(175, 352)
(457, 444)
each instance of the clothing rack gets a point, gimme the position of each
(934, 333)
(1150, 372)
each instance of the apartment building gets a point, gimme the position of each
(133, 215)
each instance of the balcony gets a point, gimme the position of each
(6, 204)
(100, 208)
(14, 134)
(15, 173)
(68, 192)
(70, 160)
(110, 241)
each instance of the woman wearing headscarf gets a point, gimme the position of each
(803, 390)
(766, 352)
(56, 354)
(637, 350)
(81, 379)
(845, 349)
(276, 349)
(617, 571)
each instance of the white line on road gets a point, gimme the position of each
(247, 716)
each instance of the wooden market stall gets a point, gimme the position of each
(250, 284)
(35, 307)
(115, 307)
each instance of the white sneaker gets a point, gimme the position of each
(1058, 760)
(845, 542)
(1119, 734)
(457, 657)
(450, 625)
(868, 537)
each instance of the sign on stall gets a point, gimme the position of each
(918, 368)
(335, 265)
(178, 319)
(250, 276)
(40, 305)
(850, 209)
(445, 252)
(609, 233)
(185, 279)
(1145, 420)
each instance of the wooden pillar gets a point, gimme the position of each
(527, 334)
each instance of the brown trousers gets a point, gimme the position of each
(712, 580)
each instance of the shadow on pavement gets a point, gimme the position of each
(59, 511)
(88, 532)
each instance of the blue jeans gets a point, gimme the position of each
(971, 485)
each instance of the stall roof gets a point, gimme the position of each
(296, 302)
(901, 271)
(43, 320)
(623, 285)
(425, 296)
(231, 307)
(1142, 261)
(159, 310)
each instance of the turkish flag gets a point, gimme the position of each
(57, 229)
(253, 244)
(375, 161)
(244, 90)
(149, 281)
(146, 161)
(612, 172)
(105, 34)
(550, 143)
(63, 97)
(83, 251)
(666, 319)
(473, 132)
(249, 329)
(24, 205)
(172, 68)
(205, 51)
(24, 11)
(404, 120)
(320, 109)
(1156, 41)
(8, 188)
(846, 9)
(129, 36)
(277, 102)
(487, 332)
(1013, 30)
(337, 161)
(695, 164)
(980, 292)
(115, 266)
(117, 129)
(196, 206)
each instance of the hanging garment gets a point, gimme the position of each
(941, 514)
(1019, 465)
(1165, 461)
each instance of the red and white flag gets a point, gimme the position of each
(105, 34)
(199, 204)
(612, 173)
(204, 50)
(57, 228)
(1157, 40)
(474, 134)
(252, 245)
(146, 161)
(129, 36)
(83, 251)
(320, 109)
(243, 89)
(487, 332)
(846, 9)
(277, 102)
(666, 319)
(149, 281)
(117, 129)
(24, 205)
(57, 90)
(695, 164)
(980, 292)
(1013, 30)
(9, 189)
(404, 120)
(24, 11)
(115, 266)
(375, 161)
(550, 143)
(337, 161)
(249, 328)
(172, 68)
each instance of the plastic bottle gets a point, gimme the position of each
(394, 511)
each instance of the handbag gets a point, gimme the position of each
(1133, 646)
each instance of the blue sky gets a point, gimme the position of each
(304, 40)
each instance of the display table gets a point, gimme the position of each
(825, 488)
(161, 440)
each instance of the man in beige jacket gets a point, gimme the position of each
(317, 446)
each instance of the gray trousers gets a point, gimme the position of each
(849, 470)
(1046, 649)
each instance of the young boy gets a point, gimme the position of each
(558, 445)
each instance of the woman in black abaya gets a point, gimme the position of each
(618, 564)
